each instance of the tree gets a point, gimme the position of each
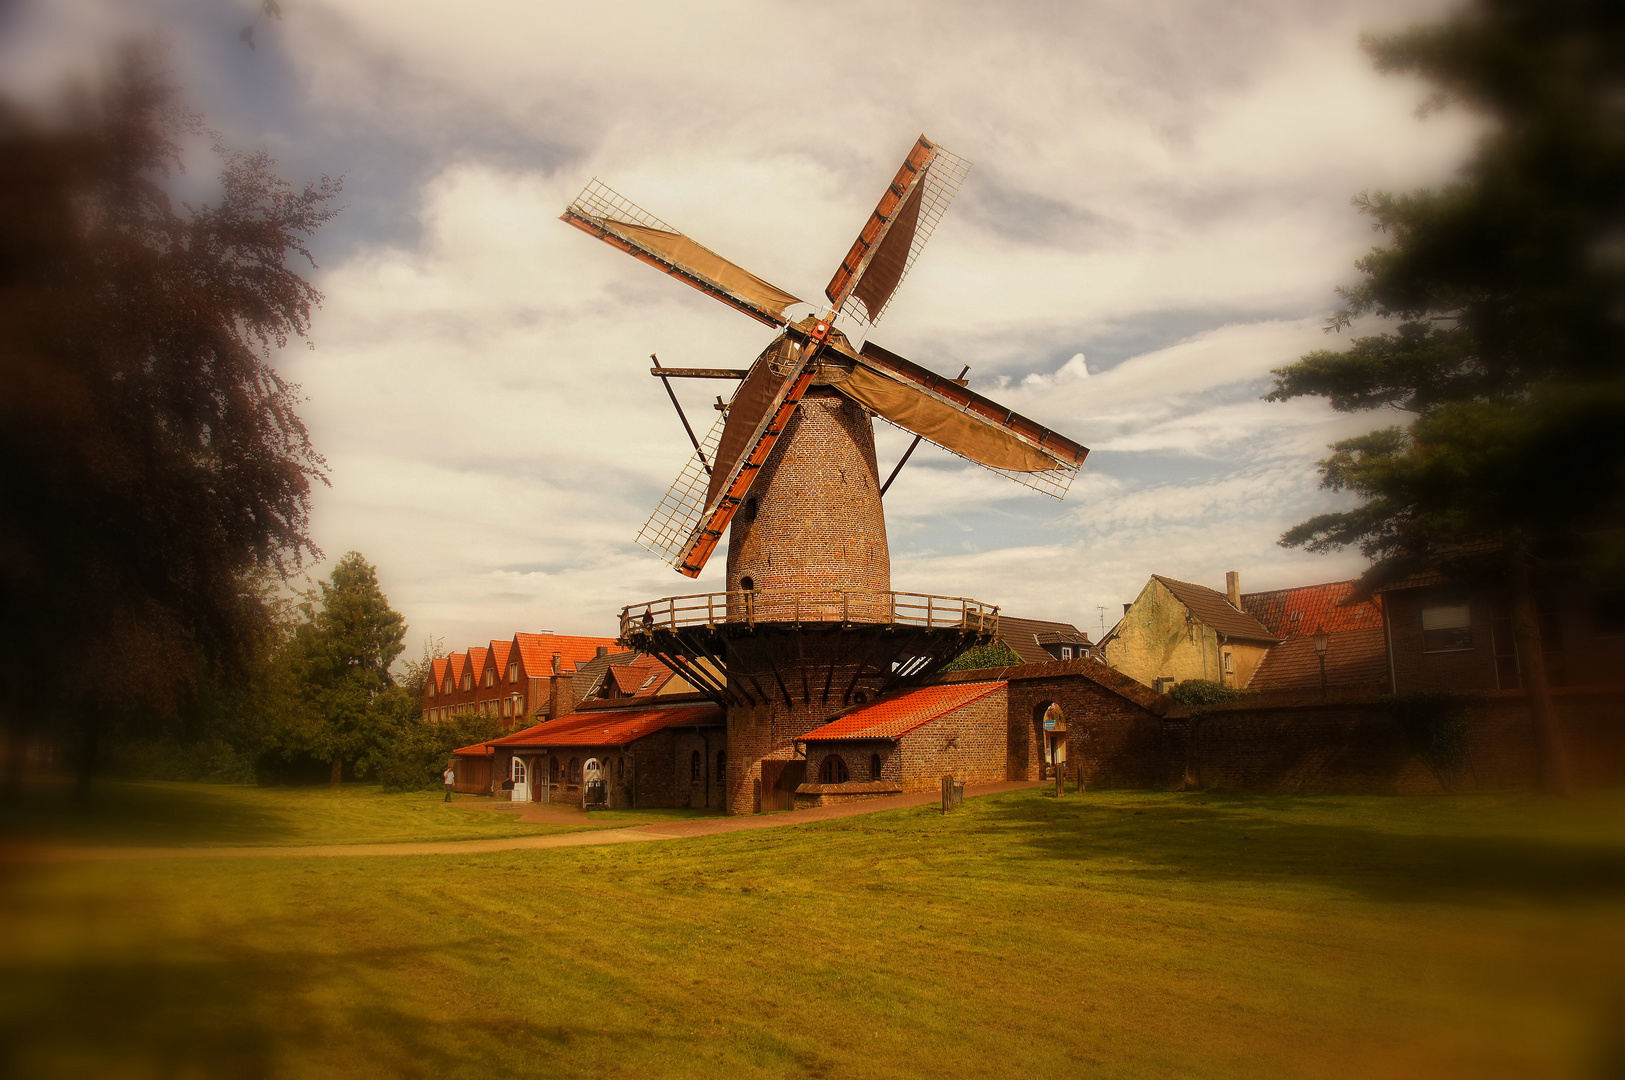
(342, 654)
(152, 457)
(1504, 298)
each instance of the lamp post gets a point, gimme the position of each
(1322, 641)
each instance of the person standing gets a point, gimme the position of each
(449, 777)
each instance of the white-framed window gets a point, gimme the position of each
(1447, 628)
(1229, 663)
(1066, 652)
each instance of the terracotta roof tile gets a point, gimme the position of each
(536, 651)
(1302, 611)
(898, 714)
(1214, 609)
(1353, 658)
(499, 655)
(611, 727)
(1105, 677)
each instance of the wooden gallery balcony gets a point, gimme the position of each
(806, 646)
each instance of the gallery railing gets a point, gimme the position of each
(752, 606)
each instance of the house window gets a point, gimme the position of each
(1066, 652)
(448, 684)
(1229, 665)
(517, 773)
(468, 682)
(513, 672)
(694, 766)
(575, 770)
(722, 763)
(1163, 685)
(431, 689)
(553, 770)
(620, 768)
(874, 766)
(1447, 628)
(833, 771)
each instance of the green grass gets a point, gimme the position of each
(1104, 935)
(231, 815)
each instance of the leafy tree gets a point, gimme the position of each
(347, 703)
(1505, 326)
(150, 456)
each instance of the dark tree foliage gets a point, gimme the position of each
(153, 459)
(1195, 693)
(1504, 297)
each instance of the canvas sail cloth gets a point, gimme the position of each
(885, 271)
(953, 429)
(701, 261)
(752, 403)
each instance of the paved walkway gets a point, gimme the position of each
(666, 830)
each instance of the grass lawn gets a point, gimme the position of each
(231, 815)
(1103, 935)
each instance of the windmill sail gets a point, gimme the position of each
(962, 421)
(896, 231)
(619, 222)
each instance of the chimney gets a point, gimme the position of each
(603, 651)
(1232, 588)
(561, 698)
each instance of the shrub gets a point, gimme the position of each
(1195, 693)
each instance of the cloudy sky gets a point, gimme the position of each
(1158, 215)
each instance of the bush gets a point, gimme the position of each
(1435, 726)
(1195, 693)
(993, 654)
(417, 756)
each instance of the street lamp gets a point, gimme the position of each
(1323, 641)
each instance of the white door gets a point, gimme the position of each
(521, 788)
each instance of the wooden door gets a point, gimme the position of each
(779, 782)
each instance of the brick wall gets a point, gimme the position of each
(1414, 669)
(813, 520)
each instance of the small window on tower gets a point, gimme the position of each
(694, 767)
(747, 583)
(748, 511)
(874, 766)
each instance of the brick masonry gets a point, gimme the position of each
(969, 744)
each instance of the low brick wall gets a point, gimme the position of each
(1360, 745)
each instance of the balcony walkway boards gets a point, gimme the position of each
(672, 830)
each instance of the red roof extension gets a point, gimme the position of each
(610, 727)
(1300, 612)
(536, 650)
(899, 714)
(1353, 658)
(641, 677)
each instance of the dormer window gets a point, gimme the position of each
(1066, 652)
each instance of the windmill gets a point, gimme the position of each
(808, 622)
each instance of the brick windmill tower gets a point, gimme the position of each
(808, 623)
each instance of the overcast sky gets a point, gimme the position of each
(1158, 215)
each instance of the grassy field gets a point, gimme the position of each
(1103, 935)
(231, 815)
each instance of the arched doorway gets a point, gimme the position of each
(1049, 724)
(519, 773)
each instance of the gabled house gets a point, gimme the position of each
(1175, 631)
(437, 691)
(1037, 641)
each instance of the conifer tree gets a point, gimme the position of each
(1503, 295)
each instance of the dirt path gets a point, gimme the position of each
(671, 830)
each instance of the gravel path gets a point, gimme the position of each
(671, 830)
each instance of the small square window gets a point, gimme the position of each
(1447, 628)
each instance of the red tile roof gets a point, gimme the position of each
(477, 750)
(611, 727)
(1353, 658)
(476, 665)
(1214, 609)
(1302, 611)
(536, 651)
(499, 656)
(437, 677)
(900, 713)
(641, 677)
(456, 663)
